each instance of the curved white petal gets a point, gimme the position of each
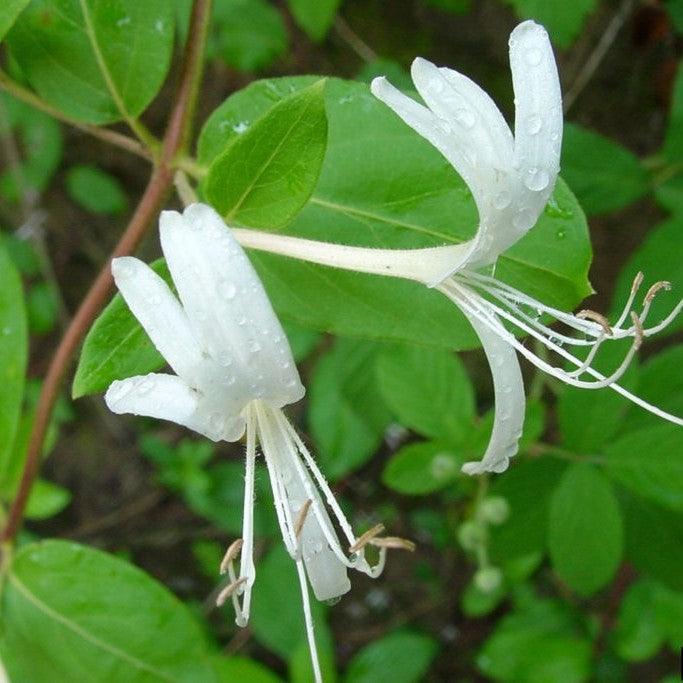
(228, 308)
(167, 397)
(509, 408)
(160, 314)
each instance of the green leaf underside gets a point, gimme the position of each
(9, 11)
(95, 61)
(381, 185)
(13, 357)
(585, 553)
(267, 174)
(73, 613)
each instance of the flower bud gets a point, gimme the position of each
(488, 579)
(495, 510)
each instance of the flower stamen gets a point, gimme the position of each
(365, 538)
(231, 555)
(229, 590)
(301, 518)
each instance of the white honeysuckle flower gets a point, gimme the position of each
(511, 179)
(234, 373)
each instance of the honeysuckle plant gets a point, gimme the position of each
(234, 374)
(511, 178)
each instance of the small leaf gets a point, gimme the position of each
(424, 467)
(649, 462)
(428, 390)
(43, 308)
(13, 357)
(9, 11)
(603, 175)
(116, 347)
(314, 16)
(106, 619)
(673, 139)
(638, 635)
(585, 533)
(400, 657)
(267, 174)
(95, 190)
(46, 500)
(111, 58)
(347, 415)
(242, 670)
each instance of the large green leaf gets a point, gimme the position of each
(650, 463)
(347, 415)
(95, 60)
(428, 390)
(585, 534)
(604, 175)
(72, 613)
(267, 174)
(9, 11)
(13, 354)
(400, 657)
(382, 185)
(314, 16)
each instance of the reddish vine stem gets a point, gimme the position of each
(159, 185)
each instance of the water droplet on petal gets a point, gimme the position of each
(254, 347)
(502, 200)
(146, 386)
(534, 124)
(533, 56)
(524, 219)
(226, 289)
(465, 118)
(536, 179)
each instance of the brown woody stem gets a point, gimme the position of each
(160, 183)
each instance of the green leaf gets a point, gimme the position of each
(455, 6)
(659, 258)
(388, 68)
(314, 16)
(302, 341)
(562, 19)
(382, 185)
(638, 635)
(400, 657)
(94, 617)
(13, 356)
(604, 175)
(95, 61)
(95, 190)
(428, 390)
(653, 540)
(536, 645)
(649, 462)
(673, 139)
(242, 670)
(46, 500)
(527, 486)
(423, 467)
(43, 308)
(347, 415)
(674, 9)
(9, 11)
(40, 141)
(267, 174)
(585, 534)
(277, 619)
(116, 347)
(247, 34)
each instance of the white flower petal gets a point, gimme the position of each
(228, 308)
(160, 314)
(167, 397)
(509, 401)
(538, 114)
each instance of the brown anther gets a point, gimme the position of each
(655, 289)
(639, 333)
(230, 554)
(301, 517)
(229, 590)
(393, 542)
(637, 281)
(587, 314)
(365, 538)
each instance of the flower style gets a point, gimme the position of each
(511, 179)
(235, 373)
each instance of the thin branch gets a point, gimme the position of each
(106, 134)
(156, 192)
(354, 41)
(598, 54)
